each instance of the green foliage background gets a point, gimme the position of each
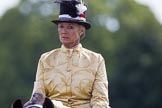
(124, 32)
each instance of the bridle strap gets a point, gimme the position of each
(35, 105)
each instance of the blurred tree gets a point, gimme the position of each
(125, 33)
(22, 40)
(136, 60)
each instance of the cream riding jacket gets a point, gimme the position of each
(73, 78)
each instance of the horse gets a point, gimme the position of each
(36, 102)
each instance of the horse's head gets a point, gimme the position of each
(47, 103)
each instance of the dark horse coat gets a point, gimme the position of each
(47, 104)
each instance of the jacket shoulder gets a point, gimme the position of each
(93, 54)
(49, 54)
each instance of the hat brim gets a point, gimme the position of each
(87, 25)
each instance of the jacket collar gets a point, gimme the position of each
(75, 49)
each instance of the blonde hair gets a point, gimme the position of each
(83, 30)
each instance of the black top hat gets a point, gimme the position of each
(72, 11)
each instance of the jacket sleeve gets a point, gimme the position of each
(39, 86)
(39, 82)
(100, 87)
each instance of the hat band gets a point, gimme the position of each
(68, 16)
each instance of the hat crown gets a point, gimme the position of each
(72, 11)
(69, 8)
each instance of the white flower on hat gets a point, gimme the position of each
(81, 8)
